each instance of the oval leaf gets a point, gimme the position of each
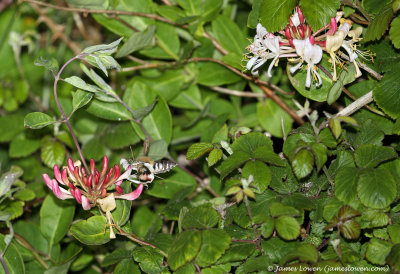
(91, 231)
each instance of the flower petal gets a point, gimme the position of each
(132, 195)
(60, 192)
(57, 174)
(85, 203)
(308, 78)
(295, 68)
(47, 180)
(269, 74)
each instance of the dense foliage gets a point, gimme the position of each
(282, 116)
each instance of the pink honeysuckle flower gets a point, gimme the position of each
(312, 55)
(88, 188)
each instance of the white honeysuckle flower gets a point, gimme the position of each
(312, 55)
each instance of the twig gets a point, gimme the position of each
(238, 93)
(137, 240)
(71, 130)
(215, 43)
(56, 29)
(363, 66)
(100, 11)
(282, 104)
(35, 253)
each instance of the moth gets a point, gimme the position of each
(146, 168)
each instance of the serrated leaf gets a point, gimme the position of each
(214, 156)
(55, 218)
(213, 245)
(233, 162)
(377, 251)
(198, 149)
(372, 155)
(149, 260)
(80, 99)
(126, 266)
(91, 231)
(52, 153)
(387, 93)
(266, 154)
(318, 14)
(184, 248)
(303, 163)
(287, 227)
(380, 24)
(250, 142)
(200, 217)
(36, 120)
(375, 192)
(346, 184)
(261, 174)
(274, 14)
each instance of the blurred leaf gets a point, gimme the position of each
(229, 34)
(36, 120)
(270, 117)
(145, 222)
(23, 147)
(252, 19)
(393, 258)
(49, 64)
(213, 245)
(304, 253)
(212, 74)
(94, 149)
(52, 153)
(287, 227)
(12, 257)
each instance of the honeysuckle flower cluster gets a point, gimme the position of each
(89, 189)
(301, 46)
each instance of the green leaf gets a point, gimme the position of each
(52, 153)
(274, 14)
(304, 253)
(213, 74)
(172, 183)
(261, 174)
(319, 150)
(80, 84)
(184, 248)
(49, 64)
(80, 99)
(303, 163)
(266, 154)
(158, 150)
(250, 142)
(350, 229)
(12, 257)
(137, 41)
(55, 218)
(267, 228)
(394, 232)
(270, 117)
(140, 113)
(394, 32)
(91, 231)
(278, 209)
(369, 133)
(213, 245)
(346, 184)
(372, 7)
(214, 156)
(23, 147)
(145, 222)
(94, 149)
(393, 258)
(198, 149)
(103, 48)
(158, 123)
(252, 19)
(36, 120)
(380, 24)
(25, 195)
(127, 266)
(168, 43)
(228, 34)
(233, 162)
(220, 135)
(372, 155)
(287, 227)
(377, 251)
(346, 77)
(298, 80)
(335, 126)
(120, 136)
(375, 192)
(210, 9)
(108, 111)
(387, 92)
(149, 259)
(318, 14)
(200, 217)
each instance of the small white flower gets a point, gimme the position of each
(312, 55)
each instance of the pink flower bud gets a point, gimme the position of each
(300, 14)
(47, 180)
(85, 203)
(119, 189)
(57, 174)
(64, 176)
(92, 165)
(105, 166)
(132, 195)
(71, 165)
